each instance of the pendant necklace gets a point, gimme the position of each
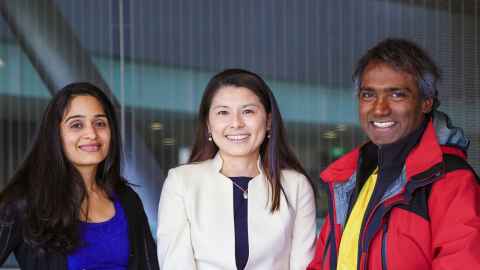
(245, 191)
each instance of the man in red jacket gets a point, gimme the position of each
(406, 199)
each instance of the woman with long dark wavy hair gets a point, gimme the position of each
(243, 201)
(67, 206)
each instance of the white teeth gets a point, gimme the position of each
(383, 124)
(237, 137)
(90, 148)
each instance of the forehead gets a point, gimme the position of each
(234, 96)
(378, 76)
(84, 105)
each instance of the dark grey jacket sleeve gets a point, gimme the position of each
(10, 232)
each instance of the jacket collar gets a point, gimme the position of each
(217, 163)
(394, 155)
(439, 136)
(426, 154)
(342, 168)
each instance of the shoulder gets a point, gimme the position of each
(457, 171)
(453, 163)
(342, 168)
(13, 204)
(192, 168)
(294, 180)
(459, 179)
(293, 176)
(126, 194)
(12, 210)
(191, 171)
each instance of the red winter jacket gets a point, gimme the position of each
(430, 220)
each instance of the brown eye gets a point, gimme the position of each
(101, 124)
(366, 95)
(76, 125)
(248, 111)
(399, 94)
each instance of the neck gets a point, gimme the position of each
(88, 176)
(240, 166)
(397, 152)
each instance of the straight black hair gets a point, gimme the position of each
(47, 190)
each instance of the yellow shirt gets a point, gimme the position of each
(348, 251)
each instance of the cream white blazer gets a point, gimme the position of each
(196, 225)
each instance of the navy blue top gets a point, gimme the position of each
(105, 244)
(240, 214)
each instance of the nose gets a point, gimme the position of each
(237, 121)
(381, 106)
(90, 132)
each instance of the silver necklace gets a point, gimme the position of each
(245, 191)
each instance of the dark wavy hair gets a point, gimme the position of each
(274, 151)
(47, 190)
(405, 56)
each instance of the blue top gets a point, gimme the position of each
(105, 244)
(240, 214)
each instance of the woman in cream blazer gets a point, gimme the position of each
(243, 201)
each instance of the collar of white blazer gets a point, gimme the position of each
(218, 162)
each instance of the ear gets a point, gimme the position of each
(427, 105)
(208, 127)
(269, 121)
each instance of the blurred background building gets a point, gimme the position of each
(156, 56)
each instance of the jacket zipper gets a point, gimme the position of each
(393, 201)
(333, 241)
(384, 246)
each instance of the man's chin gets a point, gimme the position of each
(382, 140)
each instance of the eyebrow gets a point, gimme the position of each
(250, 104)
(365, 88)
(242, 106)
(399, 88)
(83, 116)
(219, 106)
(389, 89)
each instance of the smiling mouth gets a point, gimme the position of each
(385, 124)
(237, 138)
(90, 147)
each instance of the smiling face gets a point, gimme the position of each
(85, 132)
(238, 122)
(390, 104)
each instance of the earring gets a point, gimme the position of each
(210, 137)
(269, 135)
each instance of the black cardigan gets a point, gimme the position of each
(142, 246)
